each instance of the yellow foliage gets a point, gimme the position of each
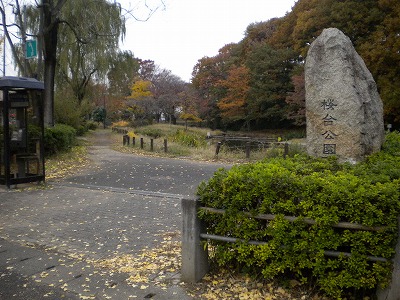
(120, 124)
(131, 134)
(190, 117)
(140, 90)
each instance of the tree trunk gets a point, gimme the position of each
(49, 72)
(50, 22)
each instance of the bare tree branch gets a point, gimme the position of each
(130, 12)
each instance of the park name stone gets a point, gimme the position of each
(343, 108)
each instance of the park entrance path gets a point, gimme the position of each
(122, 206)
(141, 174)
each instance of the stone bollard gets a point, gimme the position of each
(194, 256)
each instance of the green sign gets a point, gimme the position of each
(30, 49)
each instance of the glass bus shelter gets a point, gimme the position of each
(21, 131)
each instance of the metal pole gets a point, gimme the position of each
(4, 57)
(104, 112)
(24, 40)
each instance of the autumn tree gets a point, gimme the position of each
(382, 56)
(206, 73)
(156, 92)
(296, 104)
(140, 102)
(166, 88)
(189, 105)
(233, 104)
(124, 68)
(273, 51)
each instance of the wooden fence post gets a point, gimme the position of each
(133, 141)
(125, 139)
(218, 148)
(165, 145)
(248, 150)
(141, 143)
(286, 150)
(151, 145)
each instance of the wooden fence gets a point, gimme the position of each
(264, 143)
(246, 143)
(126, 141)
(195, 256)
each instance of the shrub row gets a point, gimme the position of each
(320, 189)
(59, 138)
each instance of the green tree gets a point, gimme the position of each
(87, 20)
(270, 81)
(380, 51)
(296, 100)
(124, 67)
(88, 48)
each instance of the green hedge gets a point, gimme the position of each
(320, 189)
(58, 138)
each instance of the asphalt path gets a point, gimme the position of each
(141, 174)
(122, 204)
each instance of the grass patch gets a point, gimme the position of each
(192, 143)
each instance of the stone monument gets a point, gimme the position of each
(343, 108)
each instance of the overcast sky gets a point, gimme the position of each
(176, 37)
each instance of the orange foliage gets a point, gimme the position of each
(233, 106)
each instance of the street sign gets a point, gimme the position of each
(31, 49)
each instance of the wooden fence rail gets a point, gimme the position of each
(270, 217)
(266, 142)
(195, 257)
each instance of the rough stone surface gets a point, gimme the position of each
(343, 108)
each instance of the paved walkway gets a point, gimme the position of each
(123, 206)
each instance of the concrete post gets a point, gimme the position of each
(194, 256)
(392, 292)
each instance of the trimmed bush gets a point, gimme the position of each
(61, 137)
(320, 189)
